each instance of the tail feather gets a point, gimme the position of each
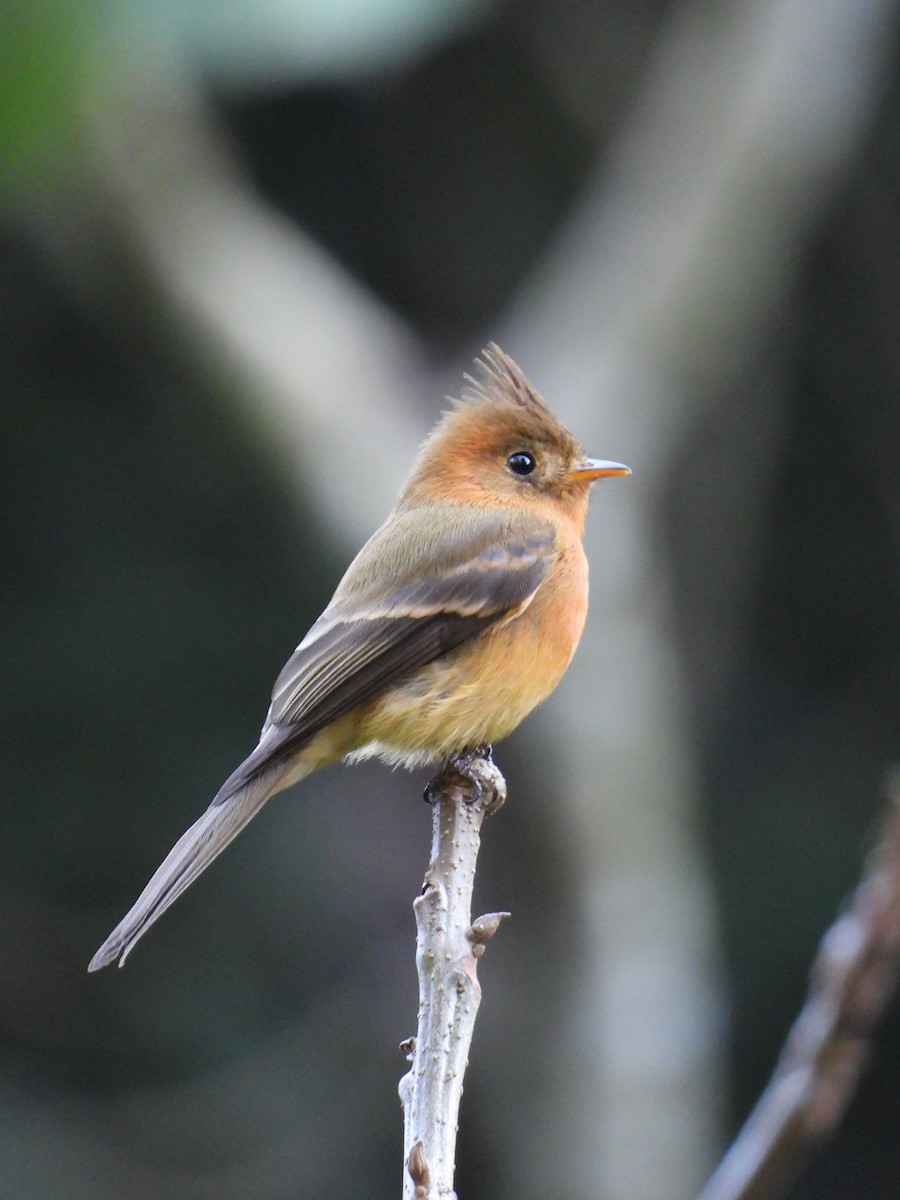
(188, 858)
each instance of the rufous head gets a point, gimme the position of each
(502, 443)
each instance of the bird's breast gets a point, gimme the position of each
(482, 690)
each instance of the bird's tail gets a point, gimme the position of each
(188, 858)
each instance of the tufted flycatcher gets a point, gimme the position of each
(457, 617)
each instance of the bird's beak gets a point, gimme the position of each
(589, 469)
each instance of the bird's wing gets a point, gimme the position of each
(368, 637)
(361, 645)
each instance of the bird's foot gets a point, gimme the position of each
(475, 774)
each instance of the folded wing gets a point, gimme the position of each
(369, 637)
(366, 641)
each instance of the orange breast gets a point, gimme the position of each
(481, 691)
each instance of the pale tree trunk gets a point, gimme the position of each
(448, 947)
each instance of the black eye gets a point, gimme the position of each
(521, 463)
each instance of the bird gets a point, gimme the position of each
(458, 616)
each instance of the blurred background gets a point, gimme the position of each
(246, 251)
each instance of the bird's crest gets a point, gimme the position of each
(504, 387)
(502, 382)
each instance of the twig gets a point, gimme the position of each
(449, 944)
(853, 978)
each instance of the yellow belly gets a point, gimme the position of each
(481, 691)
(475, 694)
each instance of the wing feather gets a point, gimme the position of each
(364, 641)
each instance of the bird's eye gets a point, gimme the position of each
(521, 463)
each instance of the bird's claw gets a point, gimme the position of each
(476, 775)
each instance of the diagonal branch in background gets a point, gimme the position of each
(853, 978)
(448, 946)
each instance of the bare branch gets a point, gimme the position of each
(448, 945)
(853, 978)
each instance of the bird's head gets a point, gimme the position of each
(501, 443)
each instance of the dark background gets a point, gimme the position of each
(160, 562)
